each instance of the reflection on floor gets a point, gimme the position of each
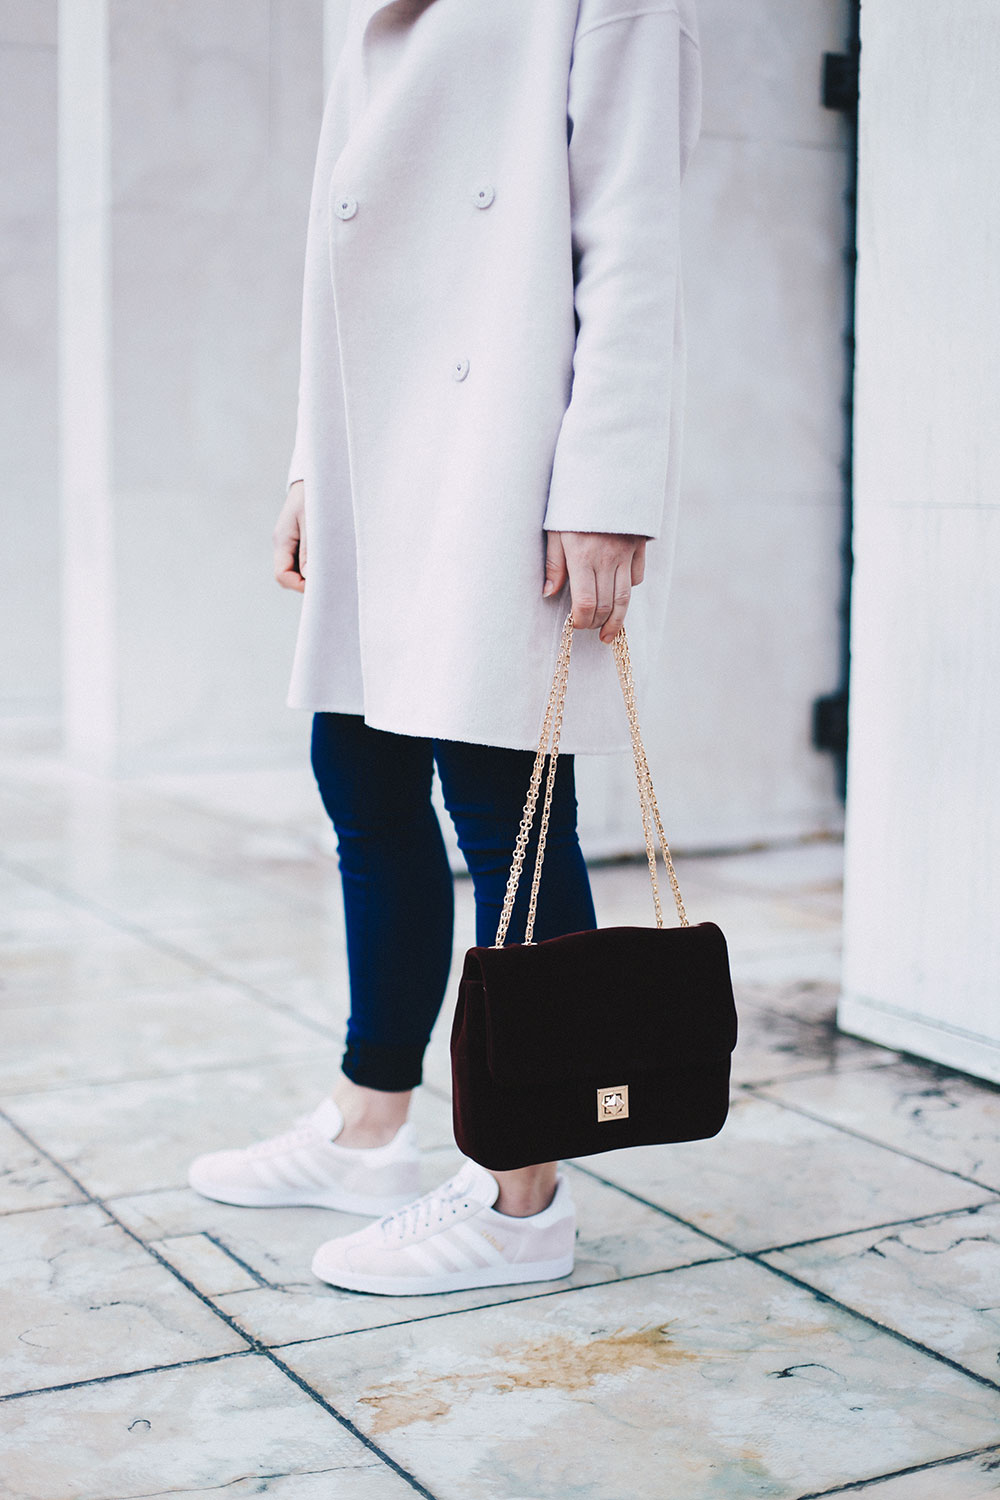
(808, 1304)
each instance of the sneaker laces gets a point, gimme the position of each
(435, 1207)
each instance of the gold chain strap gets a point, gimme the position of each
(644, 780)
(556, 694)
(552, 726)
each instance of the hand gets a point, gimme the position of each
(602, 568)
(290, 540)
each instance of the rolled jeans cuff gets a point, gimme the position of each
(373, 1065)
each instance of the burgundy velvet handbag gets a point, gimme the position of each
(596, 1040)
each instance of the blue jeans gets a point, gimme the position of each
(397, 883)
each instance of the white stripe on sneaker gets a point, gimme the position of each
(454, 1256)
(488, 1255)
(428, 1258)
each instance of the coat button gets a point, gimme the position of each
(345, 208)
(460, 369)
(483, 196)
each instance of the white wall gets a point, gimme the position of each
(188, 134)
(29, 598)
(184, 343)
(922, 930)
(752, 634)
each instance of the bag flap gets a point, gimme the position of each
(617, 1002)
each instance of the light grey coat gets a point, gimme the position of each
(492, 346)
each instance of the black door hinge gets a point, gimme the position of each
(829, 722)
(840, 81)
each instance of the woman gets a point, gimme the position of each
(489, 417)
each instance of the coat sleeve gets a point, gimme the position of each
(625, 166)
(295, 465)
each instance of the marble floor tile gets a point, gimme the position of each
(205, 1263)
(31, 916)
(27, 1178)
(975, 1478)
(751, 924)
(816, 961)
(775, 1045)
(732, 1383)
(805, 999)
(138, 881)
(69, 970)
(937, 1281)
(276, 1245)
(939, 1116)
(235, 1427)
(521, 1393)
(774, 1177)
(378, 1482)
(79, 1299)
(282, 1301)
(617, 1238)
(816, 865)
(279, 796)
(299, 961)
(140, 1135)
(147, 1033)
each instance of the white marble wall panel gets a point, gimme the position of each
(922, 941)
(752, 633)
(29, 600)
(762, 62)
(201, 173)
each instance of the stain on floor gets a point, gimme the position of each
(555, 1363)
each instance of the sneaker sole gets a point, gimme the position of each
(449, 1281)
(345, 1203)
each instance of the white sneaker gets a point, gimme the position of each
(452, 1239)
(305, 1166)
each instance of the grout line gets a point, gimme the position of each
(254, 1345)
(808, 1070)
(162, 945)
(269, 1060)
(139, 834)
(871, 1140)
(734, 1250)
(41, 1208)
(904, 1338)
(346, 1422)
(76, 1385)
(840, 1234)
(457, 1312)
(935, 1463)
(817, 1292)
(213, 1239)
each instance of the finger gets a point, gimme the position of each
(302, 546)
(606, 570)
(555, 564)
(622, 594)
(639, 562)
(286, 569)
(583, 594)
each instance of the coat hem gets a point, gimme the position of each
(496, 743)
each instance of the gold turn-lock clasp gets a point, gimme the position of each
(612, 1103)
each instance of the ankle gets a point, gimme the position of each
(372, 1117)
(527, 1191)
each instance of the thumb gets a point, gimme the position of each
(555, 564)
